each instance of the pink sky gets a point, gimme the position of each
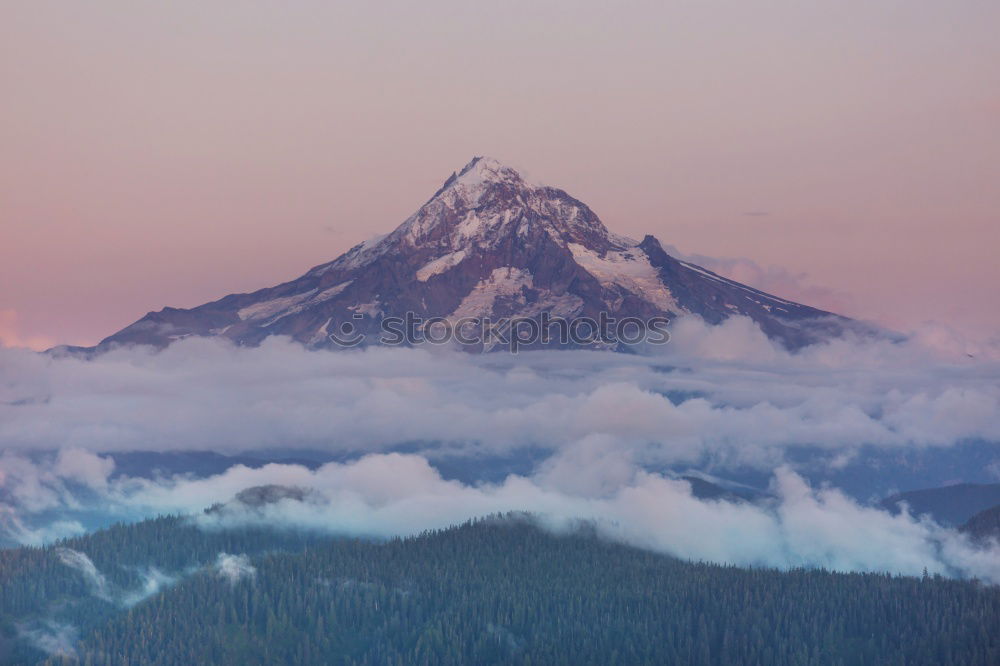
(159, 154)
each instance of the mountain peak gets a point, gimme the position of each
(487, 244)
(488, 169)
(481, 171)
(487, 203)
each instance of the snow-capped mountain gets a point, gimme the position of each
(487, 244)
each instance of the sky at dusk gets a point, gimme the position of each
(158, 154)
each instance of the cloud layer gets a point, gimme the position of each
(724, 391)
(608, 425)
(384, 495)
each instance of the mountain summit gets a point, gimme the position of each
(487, 244)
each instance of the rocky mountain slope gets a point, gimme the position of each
(486, 244)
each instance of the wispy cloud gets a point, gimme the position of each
(51, 637)
(74, 559)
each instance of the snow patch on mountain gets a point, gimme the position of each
(327, 294)
(440, 265)
(322, 332)
(372, 309)
(266, 309)
(486, 169)
(565, 305)
(278, 308)
(473, 228)
(360, 255)
(629, 269)
(506, 281)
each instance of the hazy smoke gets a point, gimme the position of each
(79, 561)
(154, 580)
(234, 568)
(13, 529)
(51, 637)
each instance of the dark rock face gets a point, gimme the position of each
(487, 244)
(258, 496)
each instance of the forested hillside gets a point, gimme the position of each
(492, 591)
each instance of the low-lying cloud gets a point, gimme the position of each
(606, 422)
(725, 390)
(384, 495)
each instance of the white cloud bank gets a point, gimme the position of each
(388, 495)
(751, 398)
(394, 494)
(726, 393)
